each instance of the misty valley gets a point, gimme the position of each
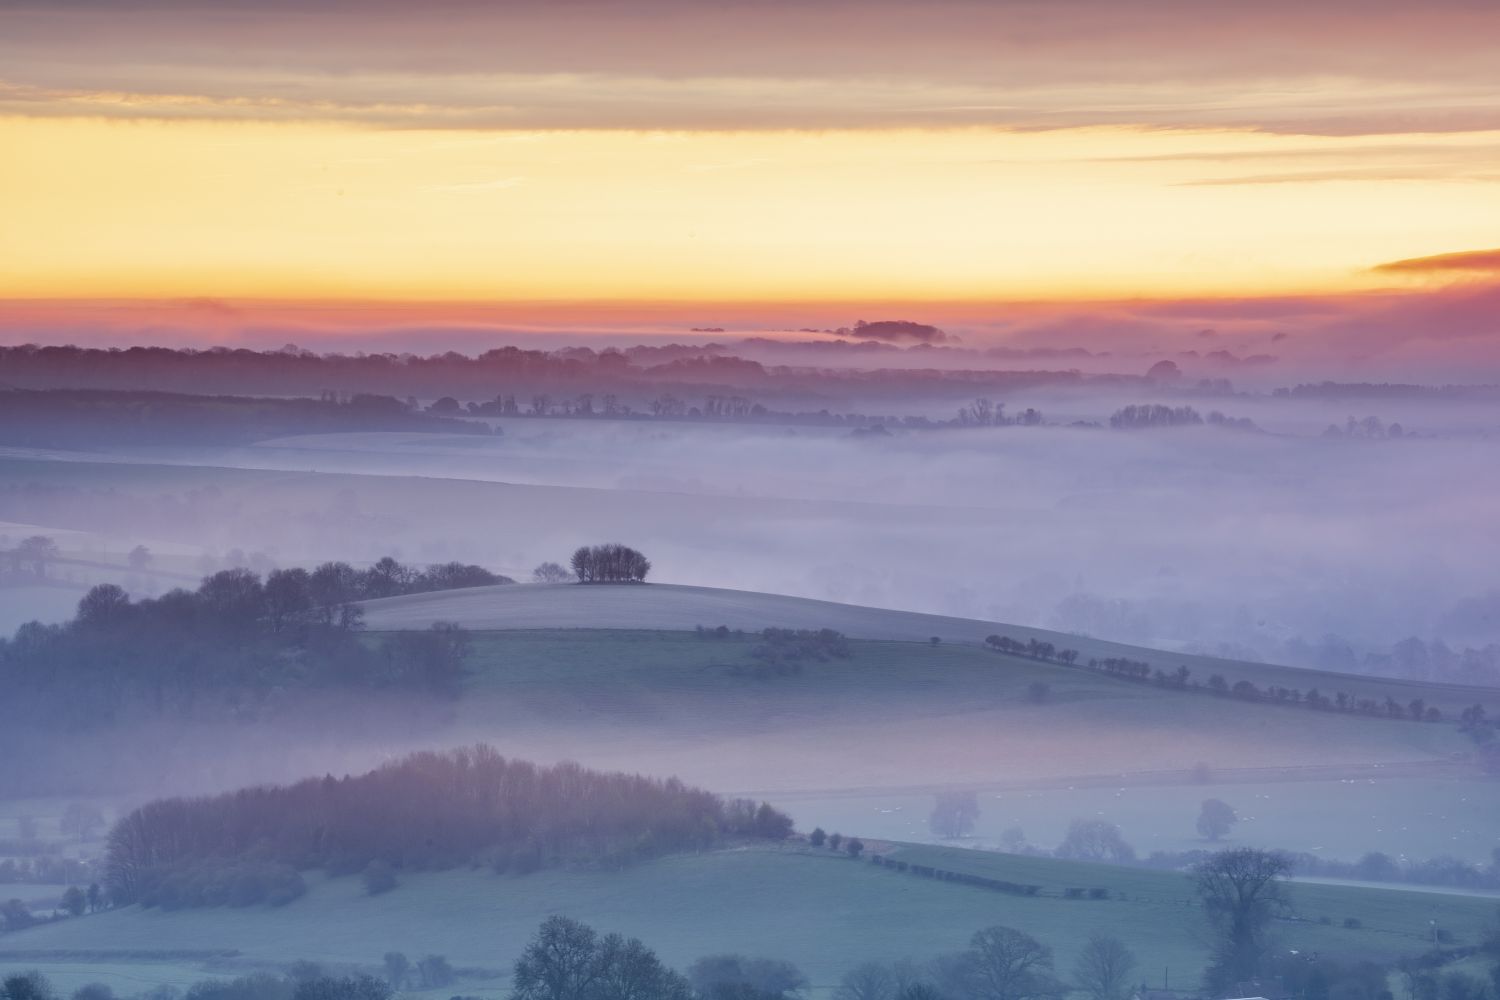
(689, 677)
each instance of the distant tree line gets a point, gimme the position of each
(427, 811)
(1151, 415)
(76, 418)
(1473, 719)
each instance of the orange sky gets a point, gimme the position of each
(521, 151)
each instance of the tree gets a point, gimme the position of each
(551, 572)
(729, 976)
(104, 606)
(1241, 890)
(397, 969)
(1103, 968)
(288, 594)
(26, 986)
(868, 981)
(15, 915)
(81, 819)
(94, 991)
(1095, 840)
(139, 559)
(611, 563)
(854, 846)
(379, 877)
(74, 901)
(433, 971)
(817, 837)
(954, 814)
(359, 987)
(1006, 964)
(1216, 819)
(95, 897)
(628, 970)
(560, 963)
(567, 960)
(38, 550)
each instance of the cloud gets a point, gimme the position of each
(1465, 262)
(1358, 66)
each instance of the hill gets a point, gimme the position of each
(673, 607)
(862, 743)
(756, 901)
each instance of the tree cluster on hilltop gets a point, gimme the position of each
(427, 811)
(612, 563)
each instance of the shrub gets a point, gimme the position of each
(379, 877)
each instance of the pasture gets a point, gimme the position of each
(761, 901)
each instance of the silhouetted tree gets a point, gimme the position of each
(610, 563)
(397, 968)
(1241, 890)
(1095, 840)
(550, 572)
(1103, 968)
(867, 981)
(954, 814)
(1216, 819)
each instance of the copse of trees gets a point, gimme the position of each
(612, 563)
(426, 811)
(232, 641)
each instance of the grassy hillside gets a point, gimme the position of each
(761, 901)
(671, 607)
(862, 743)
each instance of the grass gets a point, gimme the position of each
(817, 909)
(671, 607)
(863, 744)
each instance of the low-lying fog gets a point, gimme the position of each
(1200, 537)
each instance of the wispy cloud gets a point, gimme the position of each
(1360, 66)
(1468, 261)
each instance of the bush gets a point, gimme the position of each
(379, 877)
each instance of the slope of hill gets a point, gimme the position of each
(674, 607)
(756, 901)
(864, 743)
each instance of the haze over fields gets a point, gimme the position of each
(700, 500)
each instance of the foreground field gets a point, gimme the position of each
(760, 901)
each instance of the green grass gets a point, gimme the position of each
(820, 910)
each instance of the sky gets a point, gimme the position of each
(673, 157)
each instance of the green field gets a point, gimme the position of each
(819, 910)
(862, 744)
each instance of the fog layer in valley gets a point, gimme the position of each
(1199, 538)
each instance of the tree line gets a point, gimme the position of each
(1473, 718)
(427, 811)
(232, 641)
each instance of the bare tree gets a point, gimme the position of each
(1007, 964)
(867, 981)
(1103, 968)
(954, 814)
(1095, 840)
(550, 572)
(1241, 890)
